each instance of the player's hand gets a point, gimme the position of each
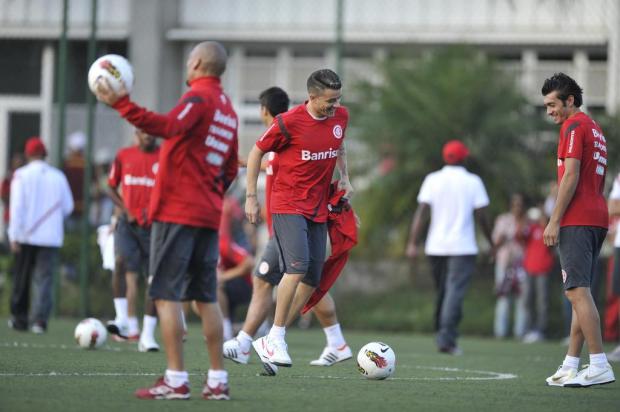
(106, 94)
(344, 184)
(412, 250)
(252, 209)
(16, 247)
(551, 234)
(130, 218)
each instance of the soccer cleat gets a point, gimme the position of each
(590, 376)
(331, 356)
(259, 348)
(162, 391)
(218, 393)
(232, 350)
(147, 345)
(614, 356)
(561, 376)
(118, 329)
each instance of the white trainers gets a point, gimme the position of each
(147, 345)
(614, 355)
(590, 376)
(561, 376)
(333, 355)
(117, 328)
(232, 350)
(278, 353)
(259, 346)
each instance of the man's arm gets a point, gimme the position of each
(241, 269)
(341, 164)
(421, 217)
(566, 191)
(614, 207)
(252, 208)
(16, 208)
(482, 217)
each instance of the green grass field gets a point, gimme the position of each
(49, 373)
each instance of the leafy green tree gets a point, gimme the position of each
(453, 93)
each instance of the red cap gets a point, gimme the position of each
(35, 147)
(454, 152)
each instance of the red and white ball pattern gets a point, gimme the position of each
(90, 333)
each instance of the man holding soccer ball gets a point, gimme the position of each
(185, 209)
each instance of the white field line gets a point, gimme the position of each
(57, 346)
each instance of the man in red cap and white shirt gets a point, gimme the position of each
(451, 198)
(40, 200)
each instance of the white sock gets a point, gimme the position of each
(334, 336)
(244, 340)
(598, 359)
(120, 307)
(215, 377)
(227, 326)
(176, 378)
(277, 332)
(132, 323)
(571, 362)
(148, 327)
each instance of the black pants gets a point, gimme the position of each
(34, 263)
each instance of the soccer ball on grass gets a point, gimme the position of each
(376, 360)
(90, 333)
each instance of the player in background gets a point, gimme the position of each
(578, 225)
(273, 102)
(309, 141)
(197, 164)
(131, 180)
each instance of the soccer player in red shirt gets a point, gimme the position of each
(131, 180)
(578, 225)
(309, 142)
(197, 163)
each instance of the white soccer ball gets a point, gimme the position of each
(376, 360)
(90, 333)
(115, 69)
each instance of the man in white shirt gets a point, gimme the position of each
(450, 197)
(40, 200)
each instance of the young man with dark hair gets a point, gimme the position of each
(578, 225)
(309, 141)
(197, 163)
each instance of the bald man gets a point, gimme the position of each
(197, 163)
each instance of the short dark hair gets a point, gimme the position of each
(565, 86)
(275, 100)
(323, 79)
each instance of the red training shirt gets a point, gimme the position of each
(307, 157)
(581, 138)
(538, 259)
(231, 255)
(198, 158)
(134, 170)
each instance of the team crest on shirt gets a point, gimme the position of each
(563, 276)
(338, 131)
(155, 168)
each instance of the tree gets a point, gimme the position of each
(453, 93)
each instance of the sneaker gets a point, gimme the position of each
(38, 329)
(331, 356)
(17, 325)
(218, 393)
(147, 345)
(232, 350)
(161, 390)
(533, 337)
(277, 352)
(590, 376)
(118, 329)
(561, 376)
(453, 350)
(259, 347)
(614, 356)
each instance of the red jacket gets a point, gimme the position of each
(343, 237)
(198, 159)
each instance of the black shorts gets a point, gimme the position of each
(239, 292)
(301, 243)
(268, 267)
(579, 247)
(615, 280)
(132, 244)
(183, 263)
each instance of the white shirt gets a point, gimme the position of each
(40, 200)
(615, 195)
(453, 194)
